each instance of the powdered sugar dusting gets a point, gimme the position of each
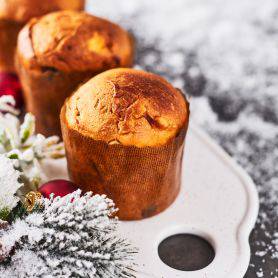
(224, 55)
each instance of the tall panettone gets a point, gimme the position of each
(124, 134)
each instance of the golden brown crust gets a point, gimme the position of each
(74, 41)
(128, 107)
(23, 10)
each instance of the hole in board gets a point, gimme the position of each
(186, 252)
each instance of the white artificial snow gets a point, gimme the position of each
(25, 264)
(261, 253)
(260, 273)
(9, 183)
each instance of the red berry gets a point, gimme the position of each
(58, 188)
(10, 85)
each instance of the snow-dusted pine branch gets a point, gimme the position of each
(20, 143)
(9, 185)
(74, 236)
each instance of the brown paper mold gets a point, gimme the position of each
(124, 134)
(15, 13)
(58, 52)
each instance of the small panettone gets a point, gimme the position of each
(61, 50)
(15, 13)
(124, 134)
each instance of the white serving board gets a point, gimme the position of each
(218, 201)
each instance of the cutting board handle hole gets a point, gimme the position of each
(186, 252)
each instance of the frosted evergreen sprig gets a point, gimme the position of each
(20, 143)
(9, 185)
(74, 236)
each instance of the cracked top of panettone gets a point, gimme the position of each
(74, 41)
(23, 10)
(128, 107)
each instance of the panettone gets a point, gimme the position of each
(124, 133)
(61, 50)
